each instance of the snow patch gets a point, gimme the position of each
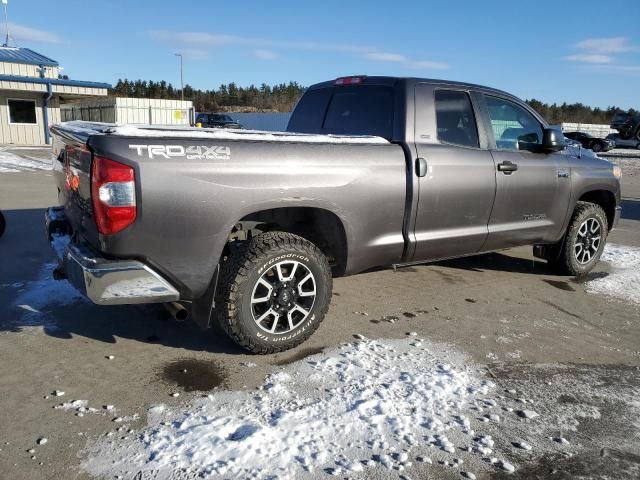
(11, 163)
(248, 135)
(73, 405)
(35, 300)
(623, 282)
(365, 404)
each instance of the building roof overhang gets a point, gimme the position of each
(54, 81)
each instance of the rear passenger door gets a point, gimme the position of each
(456, 174)
(532, 188)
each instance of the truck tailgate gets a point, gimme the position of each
(72, 171)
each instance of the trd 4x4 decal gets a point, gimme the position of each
(192, 152)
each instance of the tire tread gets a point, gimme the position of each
(234, 275)
(564, 261)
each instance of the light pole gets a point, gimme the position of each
(181, 78)
(6, 22)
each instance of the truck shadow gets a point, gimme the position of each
(31, 299)
(498, 261)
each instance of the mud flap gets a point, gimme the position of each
(202, 308)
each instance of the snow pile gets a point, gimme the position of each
(36, 299)
(621, 152)
(363, 406)
(11, 163)
(624, 280)
(249, 135)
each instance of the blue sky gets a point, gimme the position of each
(556, 51)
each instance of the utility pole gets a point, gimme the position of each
(6, 22)
(181, 78)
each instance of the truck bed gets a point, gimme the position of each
(193, 185)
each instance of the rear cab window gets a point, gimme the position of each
(346, 110)
(456, 122)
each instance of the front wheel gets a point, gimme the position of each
(584, 241)
(596, 147)
(274, 291)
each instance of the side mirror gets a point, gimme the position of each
(552, 141)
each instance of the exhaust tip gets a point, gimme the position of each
(181, 315)
(178, 311)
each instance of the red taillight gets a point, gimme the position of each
(350, 80)
(113, 193)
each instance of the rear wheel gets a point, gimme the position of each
(584, 241)
(274, 292)
(638, 134)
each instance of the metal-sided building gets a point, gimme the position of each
(153, 111)
(31, 91)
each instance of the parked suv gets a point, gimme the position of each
(628, 124)
(592, 143)
(216, 120)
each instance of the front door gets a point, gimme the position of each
(532, 188)
(456, 187)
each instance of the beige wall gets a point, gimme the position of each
(26, 134)
(70, 90)
(24, 70)
(23, 86)
(130, 110)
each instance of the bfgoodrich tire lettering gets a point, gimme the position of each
(274, 291)
(588, 230)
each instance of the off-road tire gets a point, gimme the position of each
(562, 256)
(241, 271)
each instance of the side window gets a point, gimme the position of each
(22, 111)
(514, 127)
(455, 120)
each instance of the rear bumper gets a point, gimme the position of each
(104, 281)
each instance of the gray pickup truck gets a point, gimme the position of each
(249, 228)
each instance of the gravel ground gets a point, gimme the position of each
(574, 356)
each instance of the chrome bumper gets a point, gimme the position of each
(104, 281)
